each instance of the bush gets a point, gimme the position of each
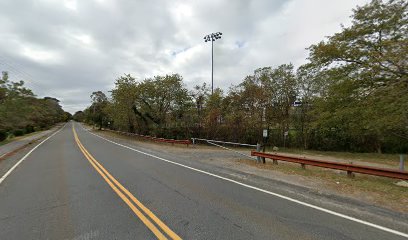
(3, 135)
(29, 129)
(18, 132)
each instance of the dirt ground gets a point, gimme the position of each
(378, 191)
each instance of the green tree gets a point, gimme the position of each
(200, 95)
(158, 98)
(98, 108)
(124, 97)
(367, 65)
(21, 112)
(79, 116)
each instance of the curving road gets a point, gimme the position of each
(77, 185)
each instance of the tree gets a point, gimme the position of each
(367, 64)
(21, 112)
(124, 97)
(98, 108)
(200, 95)
(158, 99)
(79, 116)
(282, 93)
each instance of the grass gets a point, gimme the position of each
(378, 190)
(6, 141)
(387, 159)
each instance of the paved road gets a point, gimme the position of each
(79, 186)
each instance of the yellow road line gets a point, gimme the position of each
(139, 204)
(112, 181)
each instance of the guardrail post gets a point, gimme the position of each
(350, 174)
(263, 150)
(402, 160)
(303, 165)
(275, 161)
(258, 148)
(350, 168)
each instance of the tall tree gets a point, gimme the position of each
(158, 98)
(367, 65)
(124, 97)
(98, 108)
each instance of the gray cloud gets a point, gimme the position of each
(67, 49)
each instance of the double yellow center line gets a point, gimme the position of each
(147, 217)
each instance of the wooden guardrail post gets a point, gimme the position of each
(350, 174)
(402, 159)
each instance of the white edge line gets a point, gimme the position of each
(263, 190)
(25, 156)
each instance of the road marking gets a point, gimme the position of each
(115, 185)
(28, 154)
(385, 229)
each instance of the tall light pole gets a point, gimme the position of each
(212, 37)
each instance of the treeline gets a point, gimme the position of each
(351, 95)
(21, 112)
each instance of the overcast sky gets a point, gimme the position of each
(69, 48)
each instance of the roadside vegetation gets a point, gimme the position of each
(389, 159)
(351, 95)
(21, 112)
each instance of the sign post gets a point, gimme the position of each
(265, 140)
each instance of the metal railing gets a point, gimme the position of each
(155, 139)
(229, 143)
(214, 143)
(349, 168)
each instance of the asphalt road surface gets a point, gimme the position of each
(77, 185)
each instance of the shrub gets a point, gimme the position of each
(3, 135)
(18, 132)
(29, 129)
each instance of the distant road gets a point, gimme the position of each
(77, 185)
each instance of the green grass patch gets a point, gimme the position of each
(388, 159)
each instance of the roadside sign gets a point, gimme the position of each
(286, 133)
(265, 133)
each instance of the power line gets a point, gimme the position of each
(26, 77)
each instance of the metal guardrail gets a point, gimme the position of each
(155, 139)
(222, 142)
(214, 142)
(349, 168)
